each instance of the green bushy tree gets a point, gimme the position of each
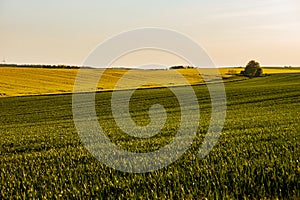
(252, 69)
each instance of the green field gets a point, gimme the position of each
(257, 155)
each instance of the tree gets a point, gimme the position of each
(177, 67)
(252, 69)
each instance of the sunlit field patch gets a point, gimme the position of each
(36, 81)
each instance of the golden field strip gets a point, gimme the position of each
(15, 81)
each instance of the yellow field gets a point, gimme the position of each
(36, 81)
(266, 70)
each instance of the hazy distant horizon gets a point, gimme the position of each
(149, 67)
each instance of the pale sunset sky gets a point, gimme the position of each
(231, 31)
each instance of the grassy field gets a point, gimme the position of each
(16, 81)
(257, 155)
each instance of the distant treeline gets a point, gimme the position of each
(40, 66)
(182, 67)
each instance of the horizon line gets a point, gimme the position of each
(134, 67)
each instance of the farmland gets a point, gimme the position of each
(36, 81)
(257, 155)
(21, 81)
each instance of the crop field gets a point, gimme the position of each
(257, 155)
(15, 81)
(266, 70)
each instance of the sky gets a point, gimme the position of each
(231, 31)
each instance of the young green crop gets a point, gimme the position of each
(257, 155)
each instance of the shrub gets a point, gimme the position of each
(252, 69)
